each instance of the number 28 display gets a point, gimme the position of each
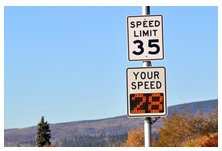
(146, 103)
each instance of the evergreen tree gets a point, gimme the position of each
(43, 134)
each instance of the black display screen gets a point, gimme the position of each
(146, 103)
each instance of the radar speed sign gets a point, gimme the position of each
(146, 91)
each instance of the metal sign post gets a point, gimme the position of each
(147, 120)
(147, 132)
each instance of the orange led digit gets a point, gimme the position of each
(156, 103)
(141, 103)
(146, 103)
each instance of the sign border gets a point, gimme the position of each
(128, 37)
(127, 94)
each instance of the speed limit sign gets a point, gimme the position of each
(145, 37)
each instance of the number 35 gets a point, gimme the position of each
(140, 46)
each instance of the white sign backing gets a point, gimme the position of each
(146, 91)
(145, 37)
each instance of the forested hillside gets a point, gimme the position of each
(104, 132)
(92, 141)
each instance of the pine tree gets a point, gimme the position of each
(43, 134)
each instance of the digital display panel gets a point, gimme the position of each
(146, 103)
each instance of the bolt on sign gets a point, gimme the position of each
(145, 37)
(146, 91)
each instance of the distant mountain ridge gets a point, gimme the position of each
(119, 124)
(5, 130)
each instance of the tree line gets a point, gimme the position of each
(101, 140)
(79, 140)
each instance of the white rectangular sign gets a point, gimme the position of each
(145, 37)
(146, 91)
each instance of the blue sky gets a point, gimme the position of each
(69, 63)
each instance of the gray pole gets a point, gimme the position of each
(146, 11)
(147, 131)
(147, 120)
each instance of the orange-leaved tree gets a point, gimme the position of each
(207, 141)
(136, 138)
(180, 127)
(52, 145)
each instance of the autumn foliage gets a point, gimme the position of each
(52, 145)
(209, 140)
(135, 138)
(181, 129)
